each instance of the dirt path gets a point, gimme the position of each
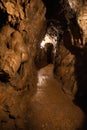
(50, 108)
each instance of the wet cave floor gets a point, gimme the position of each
(48, 109)
(51, 108)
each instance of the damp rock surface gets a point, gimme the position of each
(20, 34)
(21, 28)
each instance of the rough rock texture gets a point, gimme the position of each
(64, 71)
(21, 29)
(82, 20)
(70, 61)
(22, 33)
(80, 8)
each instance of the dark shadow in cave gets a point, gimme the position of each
(4, 77)
(55, 12)
(3, 18)
(44, 56)
(76, 31)
(49, 52)
(81, 78)
(80, 61)
(80, 68)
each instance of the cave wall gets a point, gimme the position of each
(21, 32)
(70, 61)
(21, 29)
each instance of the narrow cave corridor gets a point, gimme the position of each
(43, 65)
(50, 108)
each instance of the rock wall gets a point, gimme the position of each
(70, 60)
(21, 33)
(22, 26)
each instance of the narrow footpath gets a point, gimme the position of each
(50, 108)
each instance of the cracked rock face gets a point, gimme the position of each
(21, 31)
(82, 20)
(15, 51)
(80, 8)
(19, 37)
(70, 61)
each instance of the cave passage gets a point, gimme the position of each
(43, 65)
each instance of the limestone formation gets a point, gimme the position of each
(80, 8)
(19, 37)
(70, 62)
(22, 26)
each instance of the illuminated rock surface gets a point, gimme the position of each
(34, 97)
